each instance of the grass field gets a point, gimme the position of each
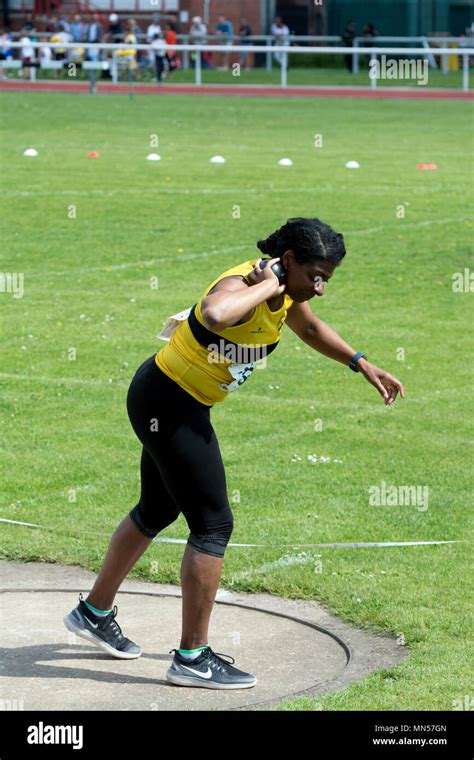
(315, 76)
(89, 234)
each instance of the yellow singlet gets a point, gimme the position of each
(188, 363)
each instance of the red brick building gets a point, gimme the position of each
(302, 16)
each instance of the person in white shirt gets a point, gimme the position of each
(27, 53)
(158, 45)
(198, 34)
(153, 29)
(198, 30)
(281, 35)
(44, 54)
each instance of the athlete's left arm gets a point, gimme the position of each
(317, 334)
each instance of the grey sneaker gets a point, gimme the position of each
(104, 633)
(208, 671)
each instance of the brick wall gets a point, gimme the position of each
(233, 11)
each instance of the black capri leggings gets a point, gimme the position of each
(181, 464)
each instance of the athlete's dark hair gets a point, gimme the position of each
(308, 238)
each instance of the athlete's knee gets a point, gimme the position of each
(148, 525)
(213, 541)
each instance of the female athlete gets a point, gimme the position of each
(212, 350)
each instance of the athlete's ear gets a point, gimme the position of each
(287, 256)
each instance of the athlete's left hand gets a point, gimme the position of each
(387, 385)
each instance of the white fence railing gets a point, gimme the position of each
(430, 43)
(95, 50)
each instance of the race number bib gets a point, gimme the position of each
(240, 373)
(172, 323)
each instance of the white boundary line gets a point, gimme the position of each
(356, 545)
(147, 262)
(60, 380)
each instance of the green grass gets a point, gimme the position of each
(64, 422)
(315, 76)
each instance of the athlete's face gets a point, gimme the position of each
(303, 281)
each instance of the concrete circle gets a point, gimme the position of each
(294, 646)
(47, 667)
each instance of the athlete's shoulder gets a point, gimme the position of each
(243, 268)
(239, 270)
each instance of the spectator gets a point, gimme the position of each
(44, 53)
(154, 28)
(170, 39)
(29, 23)
(244, 31)
(281, 35)
(369, 31)
(158, 45)
(6, 52)
(77, 29)
(175, 23)
(66, 37)
(27, 54)
(115, 30)
(59, 52)
(348, 39)
(52, 22)
(140, 38)
(225, 30)
(93, 34)
(65, 23)
(198, 36)
(128, 55)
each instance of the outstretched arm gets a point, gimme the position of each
(317, 334)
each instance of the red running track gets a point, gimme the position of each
(105, 88)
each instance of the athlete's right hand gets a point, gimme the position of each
(260, 275)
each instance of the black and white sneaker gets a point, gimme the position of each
(209, 671)
(104, 632)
